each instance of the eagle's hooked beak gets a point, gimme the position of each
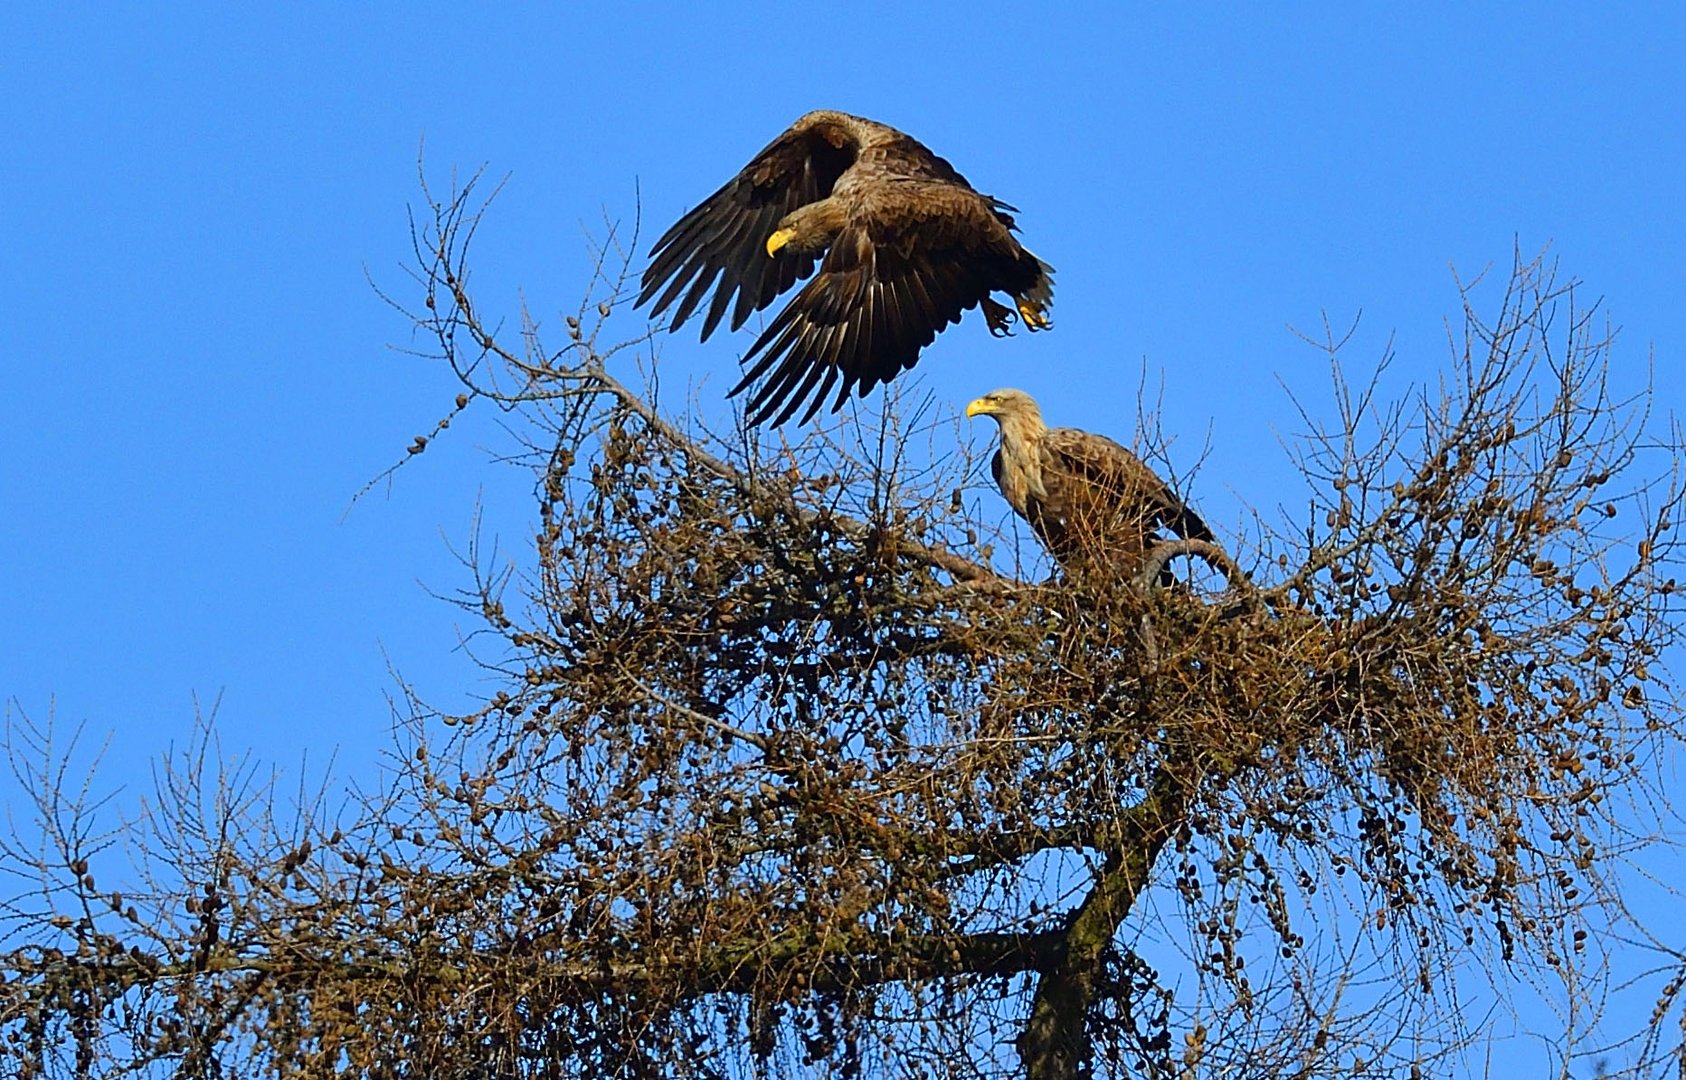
(979, 407)
(778, 240)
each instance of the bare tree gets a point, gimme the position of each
(790, 769)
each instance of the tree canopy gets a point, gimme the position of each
(790, 767)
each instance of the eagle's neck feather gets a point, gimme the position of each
(1021, 436)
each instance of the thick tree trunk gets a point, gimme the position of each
(1055, 1043)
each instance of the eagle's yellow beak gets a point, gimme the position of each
(980, 407)
(779, 240)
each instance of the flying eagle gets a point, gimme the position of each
(907, 244)
(1091, 502)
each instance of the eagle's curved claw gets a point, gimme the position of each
(999, 316)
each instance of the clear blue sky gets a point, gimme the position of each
(196, 377)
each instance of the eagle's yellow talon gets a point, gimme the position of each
(1033, 317)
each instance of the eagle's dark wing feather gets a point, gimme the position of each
(1118, 482)
(914, 257)
(723, 239)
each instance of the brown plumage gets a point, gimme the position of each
(908, 246)
(1092, 502)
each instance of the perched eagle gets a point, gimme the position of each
(1092, 502)
(907, 245)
